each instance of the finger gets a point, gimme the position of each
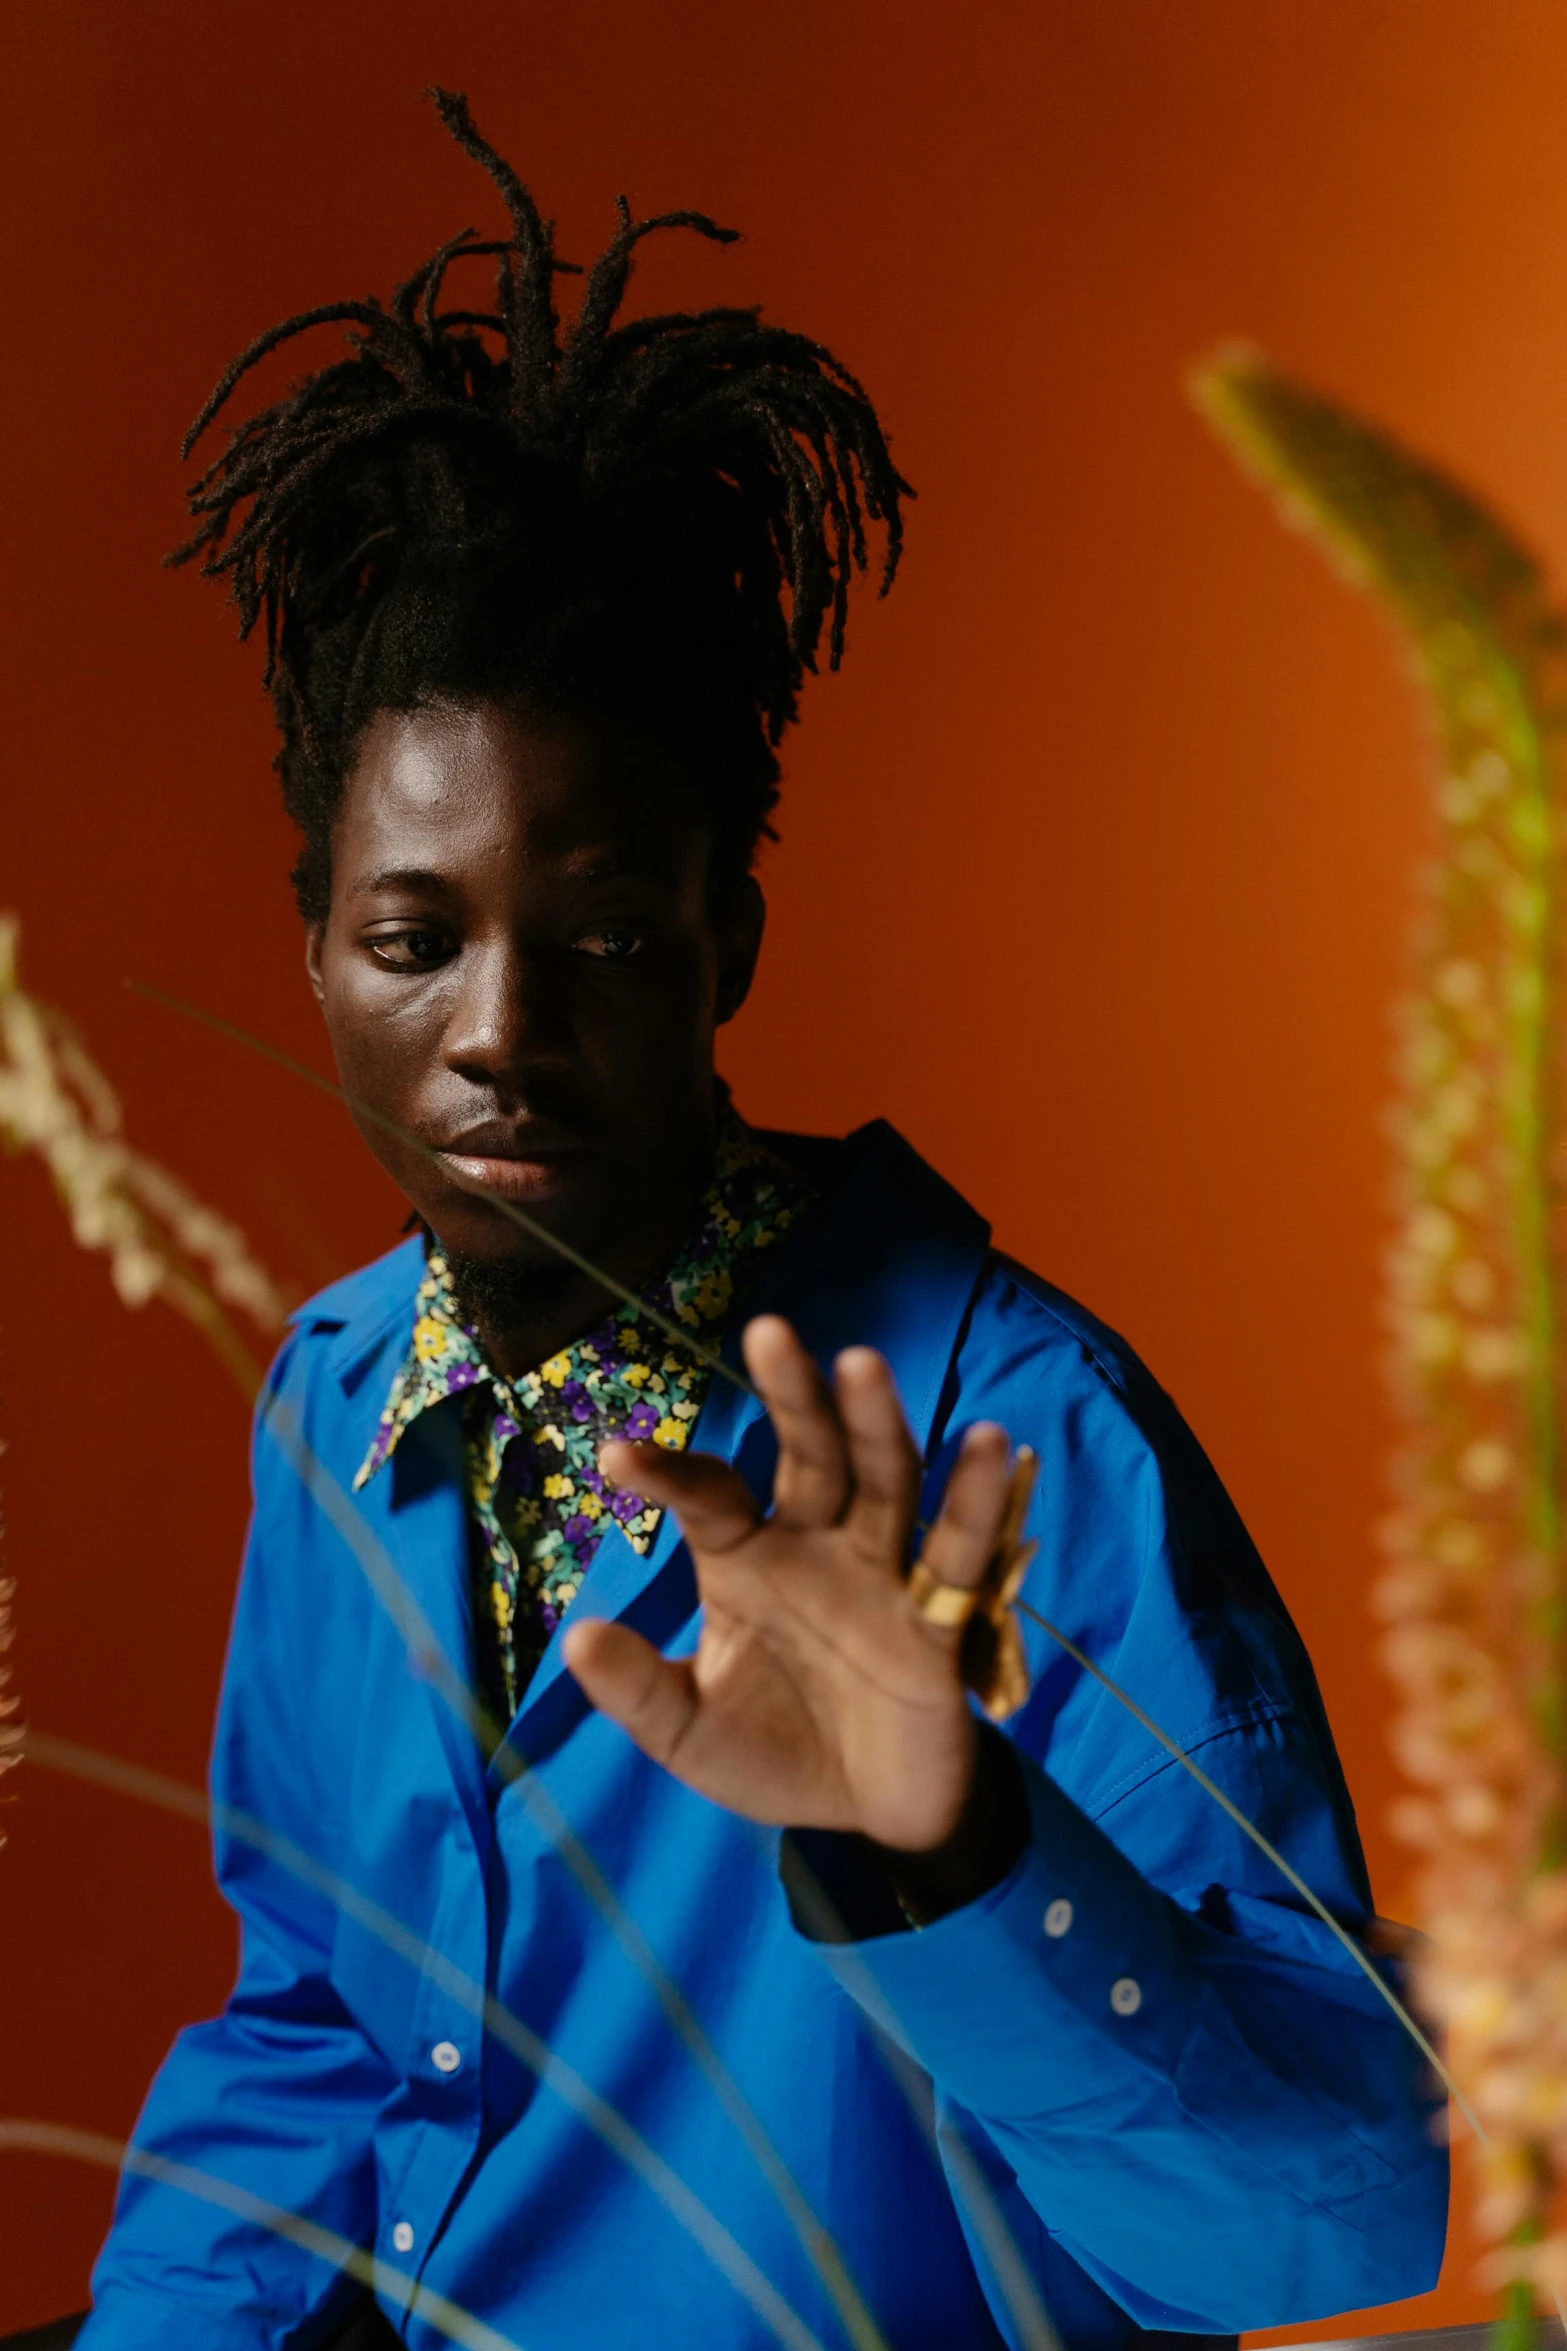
(811, 1484)
(884, 1462)
(715, 1506)
(651, 1697)
(968, 1527)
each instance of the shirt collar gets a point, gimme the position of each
(446, 1356)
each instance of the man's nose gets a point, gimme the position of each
(510, 1017)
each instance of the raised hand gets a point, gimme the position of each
(819, 1696)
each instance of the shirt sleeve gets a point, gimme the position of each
(278, 2095)
(1204, 2101)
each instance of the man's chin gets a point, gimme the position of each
(494, 1290)
(503, 1272)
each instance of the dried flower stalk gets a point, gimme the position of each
(161, 1240)
(1471, 1593)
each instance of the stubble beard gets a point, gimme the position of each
(495, 1292)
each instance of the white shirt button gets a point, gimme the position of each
(1126, 1995)
(446, 2057)
(403, 2237)
(1058, 1918)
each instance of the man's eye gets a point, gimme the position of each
(409, 950)
(611, 942)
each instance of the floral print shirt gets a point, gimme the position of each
(538, 1506)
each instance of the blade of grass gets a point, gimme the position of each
(530, 1225)
(1271, 1851)
(142, 1785)
(387, 1582)
(429, 1658)
(1036, 2330)
(448, 2318)
(1263, 1845)
(169, 1795)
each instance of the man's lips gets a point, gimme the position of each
(518, 1164)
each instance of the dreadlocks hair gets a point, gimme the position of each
(652, 520)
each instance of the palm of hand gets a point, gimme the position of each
(817, 1696)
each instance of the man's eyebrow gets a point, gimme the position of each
(620, 865)
(401, 877)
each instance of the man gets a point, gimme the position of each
(536, 2008)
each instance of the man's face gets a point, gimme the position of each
(523, 968)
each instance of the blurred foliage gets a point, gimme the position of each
(1473, 1302)
(160, 1239)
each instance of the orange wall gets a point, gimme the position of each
(1096, 860)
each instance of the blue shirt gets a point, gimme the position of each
(1189, 2109)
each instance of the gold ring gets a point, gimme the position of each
(947, 1605)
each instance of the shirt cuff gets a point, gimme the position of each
(844, 1889)
(1016, 2002)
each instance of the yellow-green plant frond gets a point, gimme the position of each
(1471, 1592)
(1391, 520)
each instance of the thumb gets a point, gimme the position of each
(651, 1697)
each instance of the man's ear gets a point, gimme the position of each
(315, 934)
(738, 927)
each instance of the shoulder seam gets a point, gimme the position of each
(1104, 1359)
(1236, 1723)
